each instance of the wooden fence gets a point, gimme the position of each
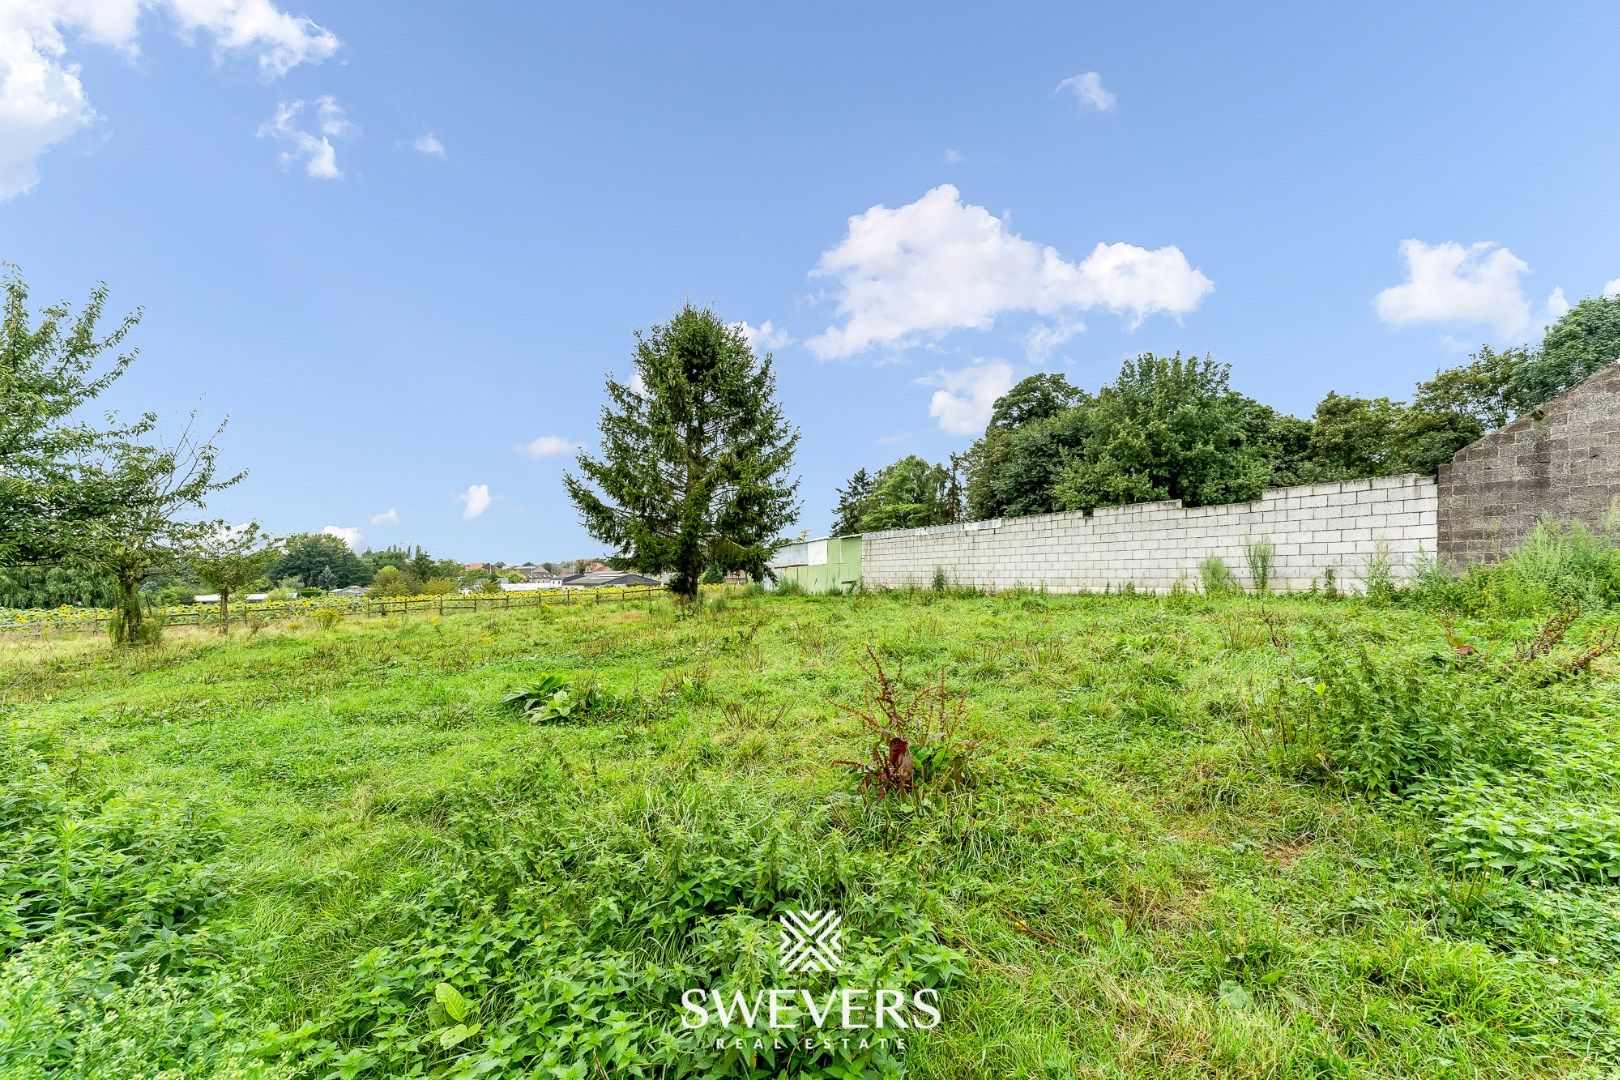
(208, 614)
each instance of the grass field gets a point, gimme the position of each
(1168, 837)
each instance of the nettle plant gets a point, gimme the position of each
(915, 745)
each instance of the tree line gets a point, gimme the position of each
(247, 559)
(1172, 427)
(110, 513)
(692, 473)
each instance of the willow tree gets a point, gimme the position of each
(692, 470)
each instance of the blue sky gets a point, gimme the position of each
(400, 245)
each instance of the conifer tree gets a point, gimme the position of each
(692, 471)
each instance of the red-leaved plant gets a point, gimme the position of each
(914, 745)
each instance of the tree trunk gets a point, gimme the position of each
(688, 570)
(685, 586)
(127, 624)
(225, 612)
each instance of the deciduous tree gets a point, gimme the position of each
(49, 370)
(1584, 340)
(910, 494)
(1483, 388)
(229, 559)
(306, 555)
(1038, 397)
(1166, 428)
(1353, 437)
(148, 492)
(1013, 472)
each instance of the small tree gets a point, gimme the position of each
(230, 559)
(146, 489)
(693, 469)
(392, 581)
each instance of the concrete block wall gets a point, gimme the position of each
(1563, 460)
(1155, 545)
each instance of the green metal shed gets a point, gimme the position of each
(831, 564)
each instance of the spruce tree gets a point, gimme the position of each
(852, 498)
(692, 471)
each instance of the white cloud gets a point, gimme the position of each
(890, 440)
(1088, 90)
(548, 446)
(42, 97)
(938, 264)
(346, 533)
(953, 157)
(387, 517)
(429, 144)
(281, 41)
(1556, 307)
(764, 337)
(966, 397)
(227, 532)
(1040, 342)
(1478, 283)
(333, 119)
(42, 102)
(314, 147)
(477, 500)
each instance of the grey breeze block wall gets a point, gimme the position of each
(1563, 459)
(1155, 545)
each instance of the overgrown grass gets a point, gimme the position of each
(1205, 836)
(1217, 578)
(1560, 563)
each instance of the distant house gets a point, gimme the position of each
(213, 598)
(594, 568)
(349, 592)
(536, 574)
(478, 566)
(605, 578)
